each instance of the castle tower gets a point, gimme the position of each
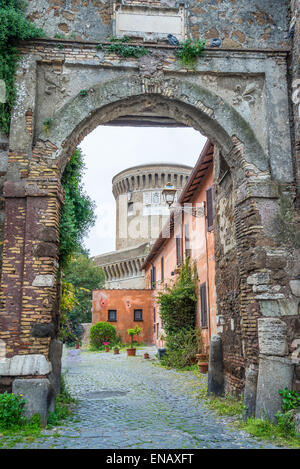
(141, 209)
(141, 213)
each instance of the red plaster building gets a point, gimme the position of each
(189, 232)
(125, 309)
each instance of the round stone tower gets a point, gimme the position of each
(141, 210)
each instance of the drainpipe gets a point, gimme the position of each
(207, 274)
(182, 233)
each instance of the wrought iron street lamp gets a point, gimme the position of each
(169, 194)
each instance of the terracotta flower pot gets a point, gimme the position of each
(202, 357)
(131, 352)
(203, 367)
(106, 349)
(76, 346)
(146, 355)
(116, 351)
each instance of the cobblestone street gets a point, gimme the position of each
(127, 402)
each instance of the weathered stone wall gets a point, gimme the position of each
(254, 271)
(3, 170)
(294, 78)
(294, 86)
(228, 277)
(258, 24)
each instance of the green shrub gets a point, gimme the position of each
(285, 421)
(189, 51)
(182, 348)
(102, 332)
(63, 408)
(11, 410)
(290, 399)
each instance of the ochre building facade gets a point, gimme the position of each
(188, 233)
(124, 309)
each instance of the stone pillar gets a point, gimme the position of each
(55, 354)
(30, 261)
(250, 391)
(86, 333)
(38, 395)
(216, 367)
(275, 369)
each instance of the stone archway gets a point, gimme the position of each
(244, 200)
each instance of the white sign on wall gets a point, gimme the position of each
(151, 23)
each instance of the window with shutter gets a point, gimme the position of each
(138, 315)
(112, 315)
(187, 240)
(153, 278)
(203, 305)
(178, 250)
(162, 269)
(209, 209)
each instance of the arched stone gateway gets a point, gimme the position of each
(239, 100)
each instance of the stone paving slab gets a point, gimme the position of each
(127, 402)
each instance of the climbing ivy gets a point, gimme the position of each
(13, 27)
(178, 302)
(77, 214)
(121, 48)
(177, 309)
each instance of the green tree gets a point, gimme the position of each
(85, 277)
(77, 214)
(13, 27)
(79, 275)
(67, 333)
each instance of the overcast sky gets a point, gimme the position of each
(109, 150)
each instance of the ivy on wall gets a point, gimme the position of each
(13, 27)
(122, 49)
(78, 211)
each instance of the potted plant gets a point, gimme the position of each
(203, 359)
(116, 350)
(132, 332)
(106, 345)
